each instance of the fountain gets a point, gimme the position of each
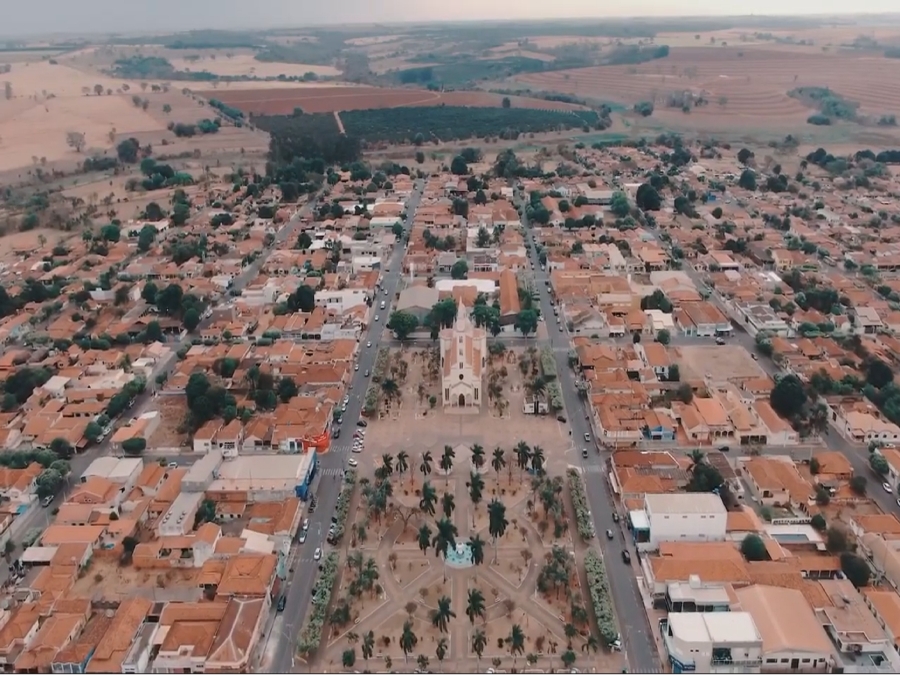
(460, 556)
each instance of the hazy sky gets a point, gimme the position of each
(67, 16)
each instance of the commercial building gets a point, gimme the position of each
(720, 642)
(678, 517)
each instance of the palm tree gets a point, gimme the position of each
(403, 462)
(476, 545)
(570, 632)
(440, 617)
(441, 651)
(568, 658)
(348, 658)
(424, 537)
(591, 645)
(516, 642)
(479, 642)
(497, 522)
(368, 645)
(429, 498)
(408, 640)
(523, 454)
(352, 637)
(447, 504)
(498, 461)
(536, 387)
(475, 605)
(390, 388)
(355, 560)
(447, 461)
(444, 539)
(476, 488)
(422, 662)
(537, 459)
(697, 457)
(531, 659)
(425, 466)
(387, 462)
(478, 456)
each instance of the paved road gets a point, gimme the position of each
(325, 486)
(639, 644)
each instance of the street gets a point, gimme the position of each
(303, 569)
(638, 643)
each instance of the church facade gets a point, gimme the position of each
(463, 360)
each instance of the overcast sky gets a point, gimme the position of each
(68, 16)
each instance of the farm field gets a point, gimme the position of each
(282, 101)
(742, 86)
(245, 65)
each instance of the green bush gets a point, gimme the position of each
(311, 633)
(554, 393)
(580, 504)
(600, 597)
(343, 504)
(370, 403)
(548, 363)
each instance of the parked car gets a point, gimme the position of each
(302, 538)
(369, 343)
(352, 462)
(366, 374)
(584, 453)
(362, 423)
(609, 534)
(626, 557)
(887, 487)
(317, 555)
(561, 418)
(587, 438)
(47, 501)
(282, 603)
(336, 433)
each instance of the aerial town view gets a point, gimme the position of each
(473, 347)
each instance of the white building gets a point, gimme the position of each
(698, 516)
(463, 359)
(712, 642)
(341, 300)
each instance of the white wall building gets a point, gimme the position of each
(712, 642)
(685, 517)
(341, 300)
(463, 358)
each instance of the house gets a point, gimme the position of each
(706, 642)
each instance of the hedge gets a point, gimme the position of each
(343, 504)
(555, 395)
(370, 403)
(600, 597)
(580, 504)
(548, 363)
(311, 633)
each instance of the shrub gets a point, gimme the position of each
(580, 504)
(600, 597)
(548, 363)
(343, 504)
(311, 633)
(370, 403)
(819, 120)
(554, 393)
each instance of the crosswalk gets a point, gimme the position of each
(593, 468)
(343, 449)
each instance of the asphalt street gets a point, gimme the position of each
(303, 569)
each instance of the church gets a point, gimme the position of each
(463, 360)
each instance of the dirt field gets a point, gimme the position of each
(245, 65)
(29, 241)
(282, 101)
(48, 101)
(743, 85)
(719, 363)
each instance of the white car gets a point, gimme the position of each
(376, 317)
(587, 438)
(317, 555)
(352, 462)
(346, 400)
(357, 449)
(369, 344)
(356, 367)
(887, 487)
(302, 537)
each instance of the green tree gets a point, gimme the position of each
(423, 537)
(428, 498)
(856, 569)
(191, 319)
(788, 396)
(568, 658)
(440, 617)
(441, 650)
(647, 198)
(146, 238)
(747, 180)
(475, 605)
(48, 483)
(879, 464)
(515, 642)
(368, 645)
(619, 204)
(287, 389)
(498, 461)
(304, 241)
(458, 166)
(663, 337)
(460, 269)
(753, 548)
(134, 446)
(478, 456)
(879, 374)
(497, 522)
(425, 464)
(448, 504)
(526, 321)
(348, 657)
(92, 431)
(403, 324)
(506, 103)
(479, 642)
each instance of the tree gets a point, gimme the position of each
(458, 166)
(440, 617)
(506, 103)
(619, 204)
(348, 657)
(479, 642)
(287, 389)
(476, 490)
(403, 323)
(818, 522)
(428, 498)
(134, 446)
(498, 461)
(425, 465)
(448, 504)
(856, 569)
(663, 337)
(753, 548)
(788, 396)
(441, 650)
(879, 374)
(368, 645)
(526, 321)
(478, 456)
(75, 139)
(858, 485)
(423, 538)
(497, 522)
(92, 431)
(879, 464)
(304, 241)
(420, 157)
(836, 540)
(191, 319)
(422, 662)
(476, 545)
(475, 605)
(647, 198)
(127, 150)
(515, 642)
(747, 180)
(446, 462)
(48, 483)
(568, 658)
(460, 269)
(110, 233)
(146, 238)
(744, 156)
(61, 448)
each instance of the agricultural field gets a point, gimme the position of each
(245, 65)
(740, 87)
(283, 101)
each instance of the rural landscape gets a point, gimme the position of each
(520, 346)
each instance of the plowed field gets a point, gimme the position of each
(741, 84)
(282, 101)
